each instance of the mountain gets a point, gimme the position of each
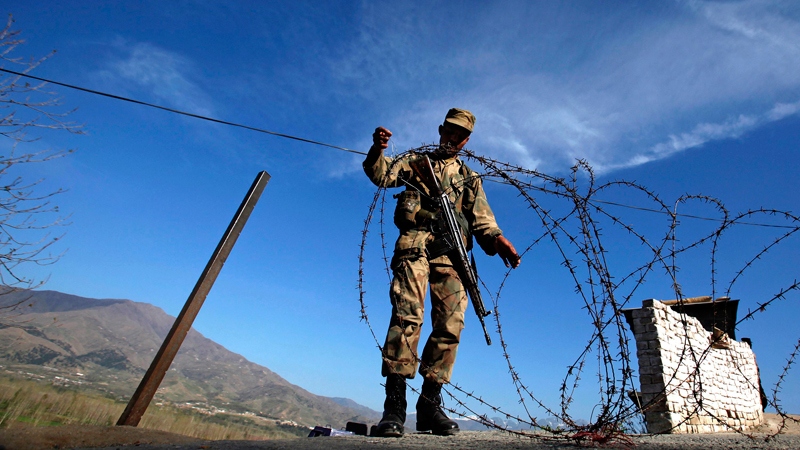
(107, 345)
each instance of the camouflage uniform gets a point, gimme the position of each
(413, 270)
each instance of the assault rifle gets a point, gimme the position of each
(445, 226)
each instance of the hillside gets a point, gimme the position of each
(107, 345)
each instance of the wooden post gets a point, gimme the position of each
(183, 323)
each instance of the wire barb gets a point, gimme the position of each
(570, 215)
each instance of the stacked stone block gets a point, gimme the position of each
(688, 386)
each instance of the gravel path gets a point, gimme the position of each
(85, 437)
(484, 441)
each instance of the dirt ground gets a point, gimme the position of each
(83, 436)
(88, 436)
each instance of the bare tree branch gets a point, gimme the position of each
(28, 215)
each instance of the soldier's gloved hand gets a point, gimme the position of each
(507, 252)
(380, 138)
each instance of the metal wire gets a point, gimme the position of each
(578, 229)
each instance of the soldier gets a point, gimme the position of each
(414, 267)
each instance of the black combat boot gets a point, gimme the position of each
(394, 407)
(430, 416)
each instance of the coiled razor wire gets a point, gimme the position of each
(577, 230)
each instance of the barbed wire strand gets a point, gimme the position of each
(288, 136)
(183, 113)
(603, 299)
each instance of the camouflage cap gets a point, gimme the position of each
(461, 117)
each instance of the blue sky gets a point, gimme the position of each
(683, 97)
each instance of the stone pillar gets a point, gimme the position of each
(688, 385)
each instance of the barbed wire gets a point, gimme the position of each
(577, 232)
(178, 111)
(108, 95)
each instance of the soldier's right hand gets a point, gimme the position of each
(507, 252)
(380, 138)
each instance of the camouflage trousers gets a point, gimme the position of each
(448, 301)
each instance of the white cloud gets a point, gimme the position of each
(161, 73)
(770, 21)
(701, 134)
(781, 110)
(626, 89)
(345, 167)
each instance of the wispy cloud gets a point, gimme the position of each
(630, 88)
(160, 73)
(675, 143)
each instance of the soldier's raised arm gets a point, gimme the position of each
(380, 141)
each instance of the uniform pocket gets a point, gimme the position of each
(405, 213)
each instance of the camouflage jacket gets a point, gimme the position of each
(463, 186)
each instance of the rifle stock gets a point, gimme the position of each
(458, 254)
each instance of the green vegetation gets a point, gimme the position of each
(40, 404)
